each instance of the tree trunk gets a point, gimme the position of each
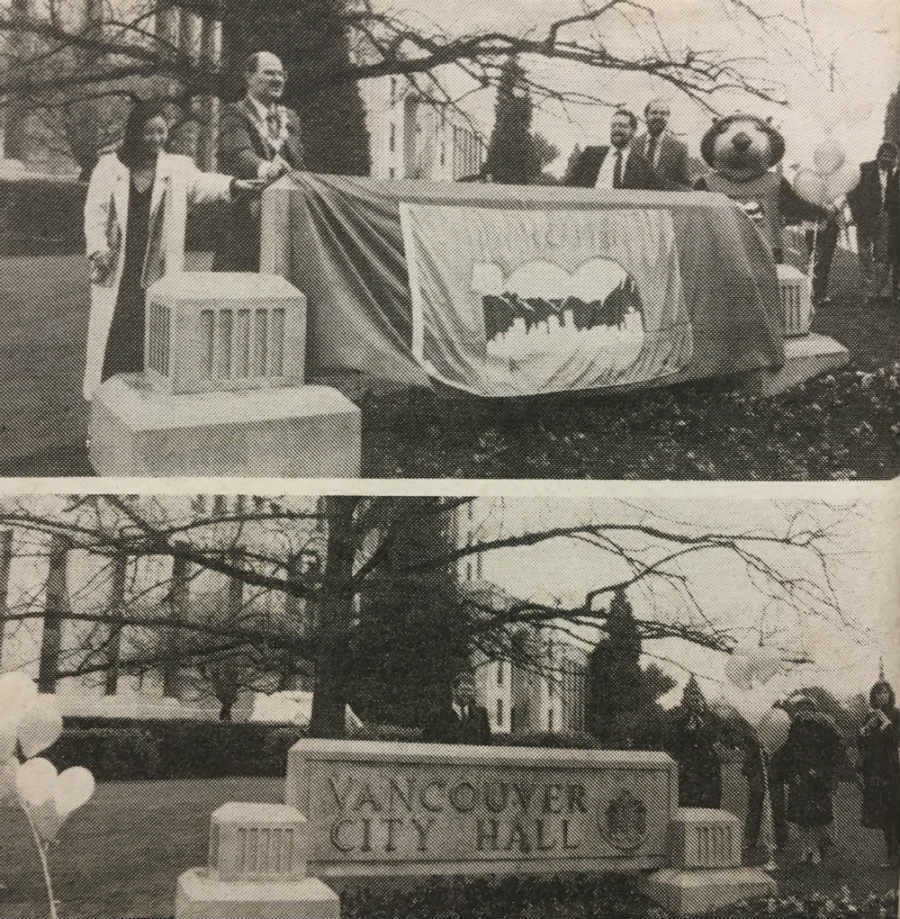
(225, 709)
(336, 616)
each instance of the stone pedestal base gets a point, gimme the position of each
(805, 357)
(308, 431)
(688, 893)
(200, 896)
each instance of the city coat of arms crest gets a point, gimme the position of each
(625, 822)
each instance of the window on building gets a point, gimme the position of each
(443, 154)
(478, 565)
(392, 138)
(500, 713)
(468, 571)
(499, 673)
(218, 508)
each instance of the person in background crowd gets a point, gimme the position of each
(821, 244)
(258, 138)
(756, 763)
(693, 743)
(463, 722)
(892, 205)
(812, 756)
(873, 204)
(134, 227)
(667, 155)
(615, 166)
(878, 740)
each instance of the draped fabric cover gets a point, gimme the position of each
(502, 290)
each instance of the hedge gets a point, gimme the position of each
(110, 753)
(46, 216)
(134, 749)
(128, 750)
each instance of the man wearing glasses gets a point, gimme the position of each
(666, 154)
(258, 139)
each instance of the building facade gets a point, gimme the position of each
(540, 688)
(59, 604)
(412, 136)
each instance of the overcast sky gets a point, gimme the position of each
(861, 37)
(862, 563)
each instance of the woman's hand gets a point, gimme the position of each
(101, 265)
(243, 188)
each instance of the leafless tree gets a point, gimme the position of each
(294, 574)
(61, 54)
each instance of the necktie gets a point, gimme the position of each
(651, 151)
(273, 123)
(617, 170)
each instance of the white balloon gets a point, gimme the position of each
(46, 819)
(7, 741)
(829, 156)
(8, 772)
(810, 186)
(74, 788)
(40, 727)
(773, 728)
(36, 781)
(842, 181)
(17, 692)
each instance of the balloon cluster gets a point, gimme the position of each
(832, 178)
(29, 724)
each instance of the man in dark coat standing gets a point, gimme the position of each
(870, 203)
(258, 139)
(665, 153)
(615, 166)
(463, 722)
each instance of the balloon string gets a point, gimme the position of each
(45, 864)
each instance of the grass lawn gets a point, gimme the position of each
(121, 854)
(843, 425)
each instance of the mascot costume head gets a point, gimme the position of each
(740, 150)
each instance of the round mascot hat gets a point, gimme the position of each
(742, 146)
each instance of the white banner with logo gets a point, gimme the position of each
(510, 301)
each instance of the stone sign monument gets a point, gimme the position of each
(223, 392)
(370, 810)
(377, 809)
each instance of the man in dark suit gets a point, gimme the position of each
(616, 166)
(667, 155)
(463, 722)
(258, 139)
(870, 204)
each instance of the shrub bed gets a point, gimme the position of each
(609, 896)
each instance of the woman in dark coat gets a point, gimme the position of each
(812, 757)
(880, 764)
(693, 744)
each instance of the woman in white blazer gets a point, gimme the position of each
(134, 225)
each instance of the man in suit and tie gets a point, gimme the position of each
(463, 722)
(615, 166)
(258, 139)
(667, 155)
(870, 204)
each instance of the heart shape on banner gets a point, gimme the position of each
(50, 797)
